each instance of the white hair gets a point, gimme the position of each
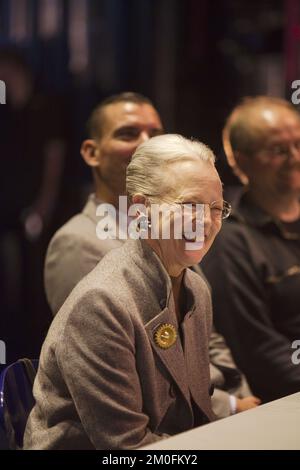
(146, 172)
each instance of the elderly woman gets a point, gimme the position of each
(125, 362)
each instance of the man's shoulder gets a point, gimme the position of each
(111, 282)
(234, 234)
(76, 235)
(79, 227)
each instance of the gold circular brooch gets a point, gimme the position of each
(165, 335)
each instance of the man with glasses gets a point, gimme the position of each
(254, 266)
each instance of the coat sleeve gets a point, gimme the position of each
(222, 366)
(242, 314)
(233, 381)
(97, 361)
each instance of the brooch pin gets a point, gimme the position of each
(165, 335)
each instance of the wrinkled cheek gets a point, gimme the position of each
(212, 236)
(218, 227)
(195, 257)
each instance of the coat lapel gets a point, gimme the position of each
(172, 358)
(190, 373)
(197, 362)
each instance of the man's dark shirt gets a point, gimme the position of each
(254, 271)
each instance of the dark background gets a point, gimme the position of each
(194, 58)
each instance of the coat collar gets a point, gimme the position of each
(160, 283)
(149, 263)
(182, 365)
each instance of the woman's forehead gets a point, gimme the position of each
(193, 167)
(202, 190)
(195, 176)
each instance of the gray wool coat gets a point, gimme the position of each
(103, 382)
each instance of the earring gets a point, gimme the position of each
(143, 222)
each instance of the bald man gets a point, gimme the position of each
(254, 265)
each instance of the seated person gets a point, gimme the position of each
(125, 362)
(254, 266)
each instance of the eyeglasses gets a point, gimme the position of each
(218, 209)
(280, 150)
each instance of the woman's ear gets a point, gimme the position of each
(139, 199)
(142, 201)
(89, 152)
